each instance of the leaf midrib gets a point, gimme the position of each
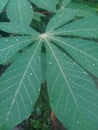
(20, 12)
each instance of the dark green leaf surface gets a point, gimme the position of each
(62, 16)
(83, 9)
(66, 64)
(19, 88)
(86, 27)
(65, 2)
(49, 5)
(10, 45)
(20, 11)
(37, 16)
(83, 51)
(73, 95)
(17, 28)
(2, 4)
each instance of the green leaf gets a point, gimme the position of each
(86, 27)
(20, 11)
(17, 28)
(11, 45)
(64, 3)
(2, 4)
(19, 88)
(73, 95)
(83, 9)
(37, 16)
(83, 51)
(64, 56)
(49, 5)
(62, 16)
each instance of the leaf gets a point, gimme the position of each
(64, 3)
(83, 9)
(73, 95)
(17, 28)
(83, 51)
(2, 4)
(19, 88)
(11, 45)
(37, 16)
(49, 5)
(86, 27)
(20, 11)
(62, 16)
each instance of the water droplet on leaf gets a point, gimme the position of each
(38, 89)
(7, 40)
(69, 79)
(93, 64)
(50, 62)
(69, 123)
(30, 73)
(85, 73)
(73, 86)
(28, 50)
(77, 122)
(17, 40)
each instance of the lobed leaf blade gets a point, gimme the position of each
(83, 9)
(61, 17)
(11, 45)
(17, 28)
(85, 27)
(49, 5)
(19, 88)
(20, 11)
(2, 4)
(83, 51)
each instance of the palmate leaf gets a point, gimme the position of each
(17, 28)
(20, 11)
(49, 5)
(10, 45)
(19, 88)
(2, 4)
(73, 95)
